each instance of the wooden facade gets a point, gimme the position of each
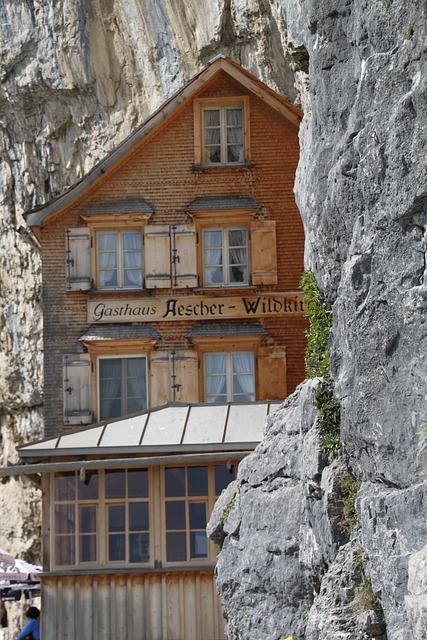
(170, 277)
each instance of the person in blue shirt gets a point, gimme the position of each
(32, 628)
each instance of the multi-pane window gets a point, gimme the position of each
(223, 135)
(127, 515)
(190, 493)
(119, 257)
(75, 519)
(186, 502)
(122, 385)
(229, 377)
(225, 257)
(106, 517)
(102, 517)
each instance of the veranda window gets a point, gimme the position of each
(229, 377)
(123, 386)
(225, 257)
(119, 260)
(127, 515)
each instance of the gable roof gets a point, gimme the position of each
(39, 215)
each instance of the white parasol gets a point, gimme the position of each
(18, 571)
(5, 556)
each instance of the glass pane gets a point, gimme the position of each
(108, 278)
(116, 547)
(87, 519)
(111, 409)
(198, 544)
(88, 489)
(65, 486)
(132, 278)
(88, 548)
(238, 274)
(65, 519)
(107, 241)
(116, 518)
(110, 368)
(223, 477)
(235, 116)
(139, 549)
(235, 153)
(115, 484)
(197, 481)
(215, 363)
(212, 137)
(175, 515)
(107, 261)
(138, 483)
(211, 117)
(65, 550)
(136, 385)
(138, 516)
(212, 238)
(214, 275)
(197, 512)
(132, 242)
(212, 154)
(175, 482)
(176, 550)
(237, 238)
(213, 257)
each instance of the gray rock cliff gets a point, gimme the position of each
(75, 78)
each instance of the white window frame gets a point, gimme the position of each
(229, 374)
(222, 104)
(156, 514)
(225, 256)
(102, 531)
(123, 398)
(119, 233)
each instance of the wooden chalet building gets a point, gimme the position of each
(173, 325)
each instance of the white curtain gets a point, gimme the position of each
(212, 256)
(235, 135)
(243, 374)
(132, 259)
(136, 385)
(238, 255)
(107, 259)
(215, 377)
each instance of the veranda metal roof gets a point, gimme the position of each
(177, 428)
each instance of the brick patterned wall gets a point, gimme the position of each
(161, 170)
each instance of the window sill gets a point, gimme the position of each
(126, 569)
(222, 166)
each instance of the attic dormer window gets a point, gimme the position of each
(221, 131)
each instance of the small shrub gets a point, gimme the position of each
(317, 357)
(319, 314)
(348, 520)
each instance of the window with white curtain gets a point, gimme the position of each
(119, 259)
(229, 377)
(225, 257)
(122, 386)
(223, 135)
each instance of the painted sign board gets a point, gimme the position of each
(155, 309)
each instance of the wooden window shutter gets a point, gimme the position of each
(186, 376)
(263, 252)
(174, 377)
(76, 386)
(157, 257)
(271, 373)
(160, 380)
(184, 255)
(77, 267)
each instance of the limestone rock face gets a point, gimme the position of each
(76, 77)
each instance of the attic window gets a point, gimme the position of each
(221, 131)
